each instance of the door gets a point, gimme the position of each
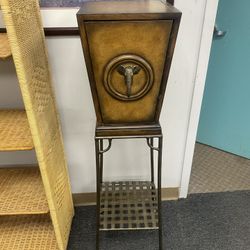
(225, 114)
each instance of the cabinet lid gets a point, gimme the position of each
(121, 10)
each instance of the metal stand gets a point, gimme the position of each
(130, 205)
(128, 87)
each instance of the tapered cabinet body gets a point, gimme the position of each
(128, 47)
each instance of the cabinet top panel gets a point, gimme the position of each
(119, 10)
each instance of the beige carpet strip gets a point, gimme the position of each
(27, 233)
(22, 191)
(218, 171)
(14, 131)
(5, 50)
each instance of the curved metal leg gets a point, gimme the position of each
(159, 192)
(151, 141)
(99, 151)
(98, 187)
(101, 161)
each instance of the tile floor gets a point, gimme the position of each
(217, 171)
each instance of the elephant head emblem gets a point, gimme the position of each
(128, 72)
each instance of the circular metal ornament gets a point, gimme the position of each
(132, 61)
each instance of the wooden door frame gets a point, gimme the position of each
(200, 79)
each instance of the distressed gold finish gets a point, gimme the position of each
(106, 41)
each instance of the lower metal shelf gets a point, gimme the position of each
(128, 206)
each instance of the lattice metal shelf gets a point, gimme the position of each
(128, 206)
(14, 131)
(5, 50)
(32, 232)
(22, 191)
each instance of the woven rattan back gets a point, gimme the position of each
(26, 36)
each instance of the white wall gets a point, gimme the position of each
(126, 158)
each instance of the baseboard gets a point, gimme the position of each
(87, 199)
(170, 194)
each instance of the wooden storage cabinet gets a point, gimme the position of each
(36, 207)
(128, 48)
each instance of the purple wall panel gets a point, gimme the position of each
(69, 3)
(61, 3)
